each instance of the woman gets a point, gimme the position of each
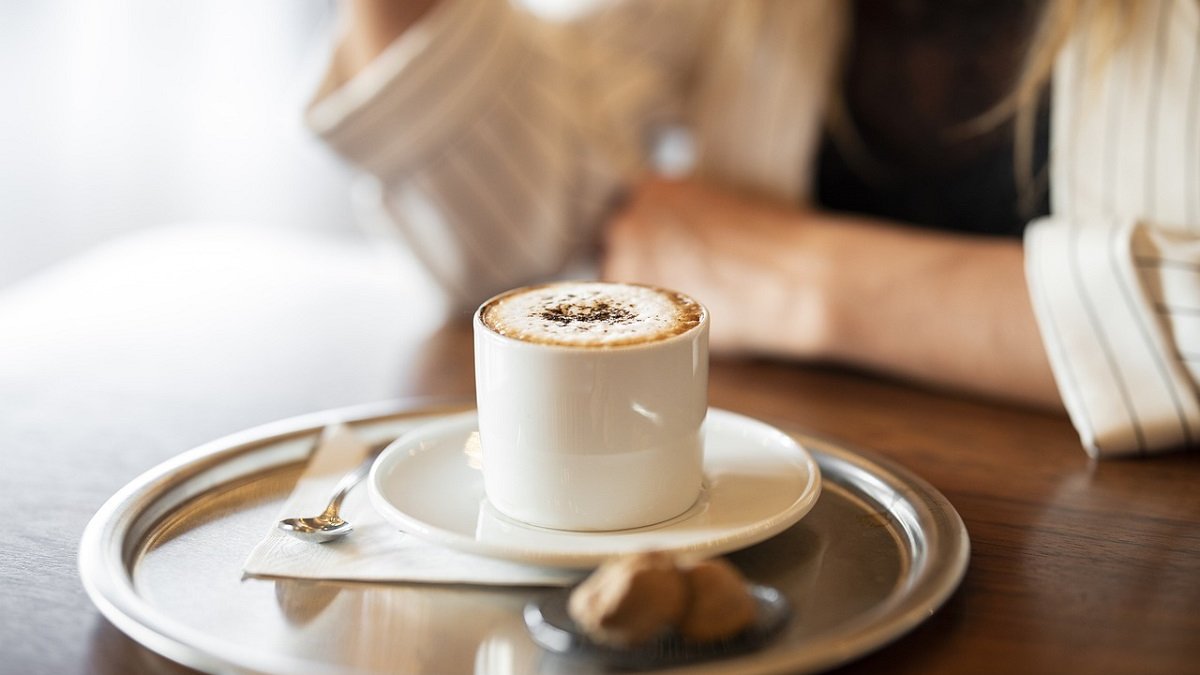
(503, 145)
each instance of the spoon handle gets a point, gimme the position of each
(347, 483)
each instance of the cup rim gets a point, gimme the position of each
(477, 320)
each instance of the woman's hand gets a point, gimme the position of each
(742, 258)
(942, 308)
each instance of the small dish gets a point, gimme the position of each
(551, 627)
(758, 482)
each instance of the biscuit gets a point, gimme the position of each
(719, 602)
(630, 600)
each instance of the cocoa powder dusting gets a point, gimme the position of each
(565, 314)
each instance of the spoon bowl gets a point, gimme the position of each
(329, 525)
(319, 529)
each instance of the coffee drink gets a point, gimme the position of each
(591, 314)
(592, 398)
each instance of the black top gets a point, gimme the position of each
(915, 72)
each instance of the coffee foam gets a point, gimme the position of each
(591, 314)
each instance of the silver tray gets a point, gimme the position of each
(879, 552)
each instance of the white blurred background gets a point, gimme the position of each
(121, 115)
(128, 114)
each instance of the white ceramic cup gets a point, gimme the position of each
(591, 437)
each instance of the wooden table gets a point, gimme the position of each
(119, 360)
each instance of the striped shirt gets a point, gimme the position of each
(495, 143)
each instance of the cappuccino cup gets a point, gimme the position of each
(592, 398)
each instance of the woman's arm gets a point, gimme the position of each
(496, 140)
(944, 309)
(369, 27)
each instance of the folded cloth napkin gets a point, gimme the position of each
(375, 550)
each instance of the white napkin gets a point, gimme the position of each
(375, 550)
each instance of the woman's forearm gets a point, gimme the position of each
(947, 309)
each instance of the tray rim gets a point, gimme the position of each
(106, 556)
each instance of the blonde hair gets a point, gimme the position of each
(1108, 22)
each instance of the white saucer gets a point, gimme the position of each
(758, 482)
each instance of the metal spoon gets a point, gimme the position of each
(329, 525)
